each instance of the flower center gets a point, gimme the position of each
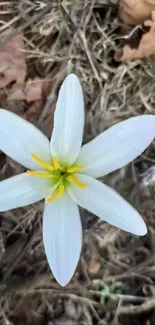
(60, 175)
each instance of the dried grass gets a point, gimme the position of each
(81, 37)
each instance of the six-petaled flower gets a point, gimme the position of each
(64, 173)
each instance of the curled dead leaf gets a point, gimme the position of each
(135, 11)
(146, 46)
(12, 60)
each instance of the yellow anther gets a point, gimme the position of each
(57, 194)
(56, 164)
(42, 162)
(74, 169)
(74, 180)
(40, 174)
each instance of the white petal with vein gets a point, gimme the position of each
(117, 146)
(19, 138)
(22, 190)
(68, 121)
(108, 205)
(62, 236)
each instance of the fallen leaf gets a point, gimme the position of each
(12, 60)
(145, 48)
(34, 110)
(33, 89)
(16, 92)
(91, 255)
(36, 91)
(135, 12)
(95, 263)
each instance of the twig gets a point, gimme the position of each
(129, 298)
(145, 307)
(7, 38)
(65, 295)
(82, 37)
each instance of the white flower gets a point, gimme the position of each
(64, 174)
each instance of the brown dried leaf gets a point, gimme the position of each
(37, 106)
(91, 255)
(33, 89)
(95, 263)
(135, 11)
(33, 92)
(36, 91)
(16, 92)
(145, 48)
(34, 110)
(12, 60)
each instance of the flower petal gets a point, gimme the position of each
(108, 205)
(117, 146)
(62, 236)
(68, 121)
(19, 138)
(22, 190)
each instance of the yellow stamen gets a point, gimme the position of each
(56, 164)
(74, 180)
(74, 169)
(42, 162)
(41, 174)
(57, 193)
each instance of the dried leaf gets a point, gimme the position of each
(12, 60)
(95, 263)
(36, 91)
(16, 92)
(34, 110)
(145, 48)
(37, 106)
(135, 11)
(91, 255)
(33, 89)
(33, 92)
